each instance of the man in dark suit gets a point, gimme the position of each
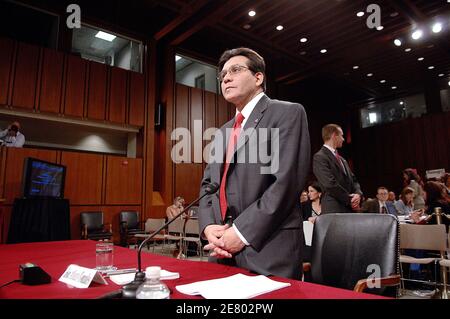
(260, 159)
(380, 204)
(341, 190)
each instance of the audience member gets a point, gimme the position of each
(312, 208)
(12, 137)
(175, 208)
(341, 190)
(405, 205)
(446, 181)
(412, 179)
(392, 197)
(304, 197)
(380, 204)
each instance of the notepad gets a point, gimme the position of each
(238, 286)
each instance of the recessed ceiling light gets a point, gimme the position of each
(383, 81)
(369, 74)
(105, 36)
(177, 57)
(430, 67)
(407, 49)
(416, 35)
(393, 14)
(251, 13)
(441, 74)
(398, 42)
(393, 87)
(247, 26)
(420, 59)
(323, 51)
(303, 40)
(448, 83)
(437, 27)
(355, 67)
(401, 102)
(380, 27)
(280, 27)
(360, 14)
(303, 53)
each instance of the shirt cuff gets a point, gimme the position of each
(240, 235)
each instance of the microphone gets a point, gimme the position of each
(129, 290)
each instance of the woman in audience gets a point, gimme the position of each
(413, 180)
(446, 181)
(304, 197)
(405, 205)
(311, 208)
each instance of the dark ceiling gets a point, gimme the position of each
(204, 28)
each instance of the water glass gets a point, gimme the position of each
(104, 253)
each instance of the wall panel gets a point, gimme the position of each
(51, 81)
(96, 104)
(75, 86)
(6, 58)
(123, 181)
(117, 96)
(137, 99)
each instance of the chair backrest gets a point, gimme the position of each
(153, 224)
(427, 237)
(192, 227)
(349, 247)
(93, 220)
(177, 226)
(131, 218)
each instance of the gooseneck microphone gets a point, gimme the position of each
(129, 291)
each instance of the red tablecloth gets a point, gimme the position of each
(54, 257)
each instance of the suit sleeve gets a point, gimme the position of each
(324, 173)
(259, 221)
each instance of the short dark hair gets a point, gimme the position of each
(382, 187)
(328, 130)
(256, 62)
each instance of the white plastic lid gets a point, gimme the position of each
(153, 272)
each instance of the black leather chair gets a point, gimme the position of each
(93, 227)
(130, 225)
(350, 251)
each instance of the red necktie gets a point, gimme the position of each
(338, 158)
(230, 151)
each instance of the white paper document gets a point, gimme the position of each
(124, 279)
(238, 286)
(308, 228)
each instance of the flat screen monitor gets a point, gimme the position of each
(43, 179)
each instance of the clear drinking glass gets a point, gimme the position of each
(104, 256)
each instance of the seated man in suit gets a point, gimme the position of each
(380, 204)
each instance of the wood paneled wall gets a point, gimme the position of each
(45, 80)
(93, 182)
(212, 111)
(380, 153)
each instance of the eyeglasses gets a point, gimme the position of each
(232, 70)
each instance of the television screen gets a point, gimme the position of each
(43, 179)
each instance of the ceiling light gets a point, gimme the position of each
(369, 74)
(303, 40)
(430, 67)
(401, 103)
(247, 26)
(398, 42)
(420, 59)
(372, 118)
(355, 67)
(393, 14)
(360, 14)
(380, 27)
(280, 27)
(303, 53)
(441, 74)
(323, 51)
(393, 87)
(437, 27)
(105, 36)
(252, 13)
(416, 35)
(448, 83)
(177, 57)
(407, 49)
(383, 81)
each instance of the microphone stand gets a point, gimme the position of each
(129, 290)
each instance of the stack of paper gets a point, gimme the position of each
(124, 279)
(238, 286)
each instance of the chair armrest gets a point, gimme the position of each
(84, 231)
(108, 226)
(306, 267)
(392, 280)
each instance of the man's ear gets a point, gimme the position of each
(259, 78)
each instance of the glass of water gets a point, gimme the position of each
(104, 256)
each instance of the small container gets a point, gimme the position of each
(153, 288)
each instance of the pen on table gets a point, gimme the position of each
(120, 271)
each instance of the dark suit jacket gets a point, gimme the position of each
(373, 206)
(336, 185)
(264, 206)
